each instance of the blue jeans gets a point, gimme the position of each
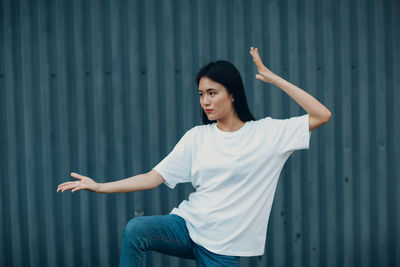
(166, 234)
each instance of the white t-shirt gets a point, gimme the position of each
(235, 176)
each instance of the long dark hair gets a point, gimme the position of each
(226, 73)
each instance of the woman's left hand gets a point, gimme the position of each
(264, 74)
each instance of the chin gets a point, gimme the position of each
(211, 118)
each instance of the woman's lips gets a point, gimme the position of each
(209, 110)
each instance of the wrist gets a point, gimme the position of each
(277, 80)
(100, 188)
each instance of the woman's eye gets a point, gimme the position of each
(212, 93)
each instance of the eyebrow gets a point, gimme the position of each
(209, 89)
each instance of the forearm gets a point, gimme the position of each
(311, 105)
(131, 184)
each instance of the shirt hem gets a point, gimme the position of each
(177, 212)
(237, 253)
(164, 176)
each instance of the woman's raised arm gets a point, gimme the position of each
(139, 182)
(318, 113)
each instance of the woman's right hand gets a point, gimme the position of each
(84, 182)
(264, 74)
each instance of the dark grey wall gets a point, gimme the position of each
(106, 88)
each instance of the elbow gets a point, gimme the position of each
(327, 116)
(324, 116)
(317, 121)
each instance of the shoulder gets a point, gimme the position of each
(286, 123)
(284, 120)
(261, 122)
(196, 131)
(200, 129)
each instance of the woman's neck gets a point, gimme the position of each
(230, 124)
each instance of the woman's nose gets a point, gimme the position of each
(206, 100)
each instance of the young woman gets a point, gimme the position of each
(233, 161)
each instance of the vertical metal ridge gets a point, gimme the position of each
(178, 70)
(372, 140)
(396, 129)
(39, 170)
(390, 58)
(363, 124)
(27, 134)
(390, 165)
(5, 214)
(212, 31)
(381, 135)
(49, 184)
(346, 177)
(188, 75)
(220, 14)
(355, 117)
(337, 110)
(195, 58)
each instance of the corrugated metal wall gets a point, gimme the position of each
(106, 88)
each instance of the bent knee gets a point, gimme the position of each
(136, 227)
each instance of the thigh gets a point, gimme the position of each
(166, 234)
(207, 258)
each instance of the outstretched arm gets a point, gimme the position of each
(318, 113)
(139, 182)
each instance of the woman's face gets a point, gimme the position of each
(215, 100)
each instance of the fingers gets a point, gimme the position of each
(77, 176)
(68, 186)
(74, 185)
(256, 57)
(254, 52)
(64, 184)
(77, 189)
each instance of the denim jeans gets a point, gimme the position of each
(166, 234)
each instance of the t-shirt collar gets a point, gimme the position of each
(229, 134)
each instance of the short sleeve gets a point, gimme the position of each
(176, 166)
(293, 134)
